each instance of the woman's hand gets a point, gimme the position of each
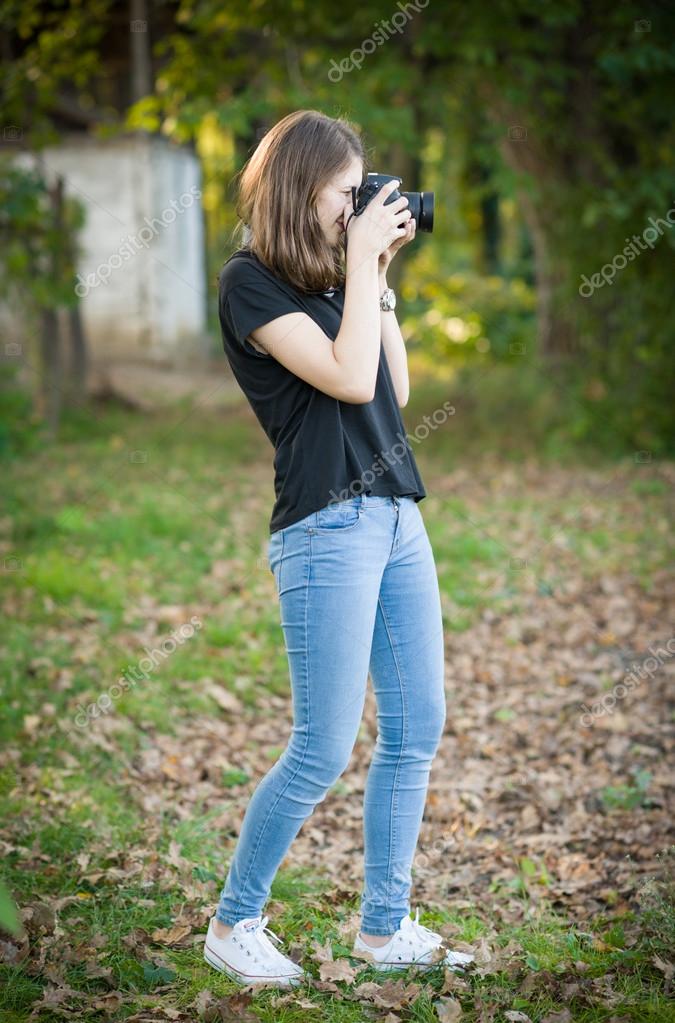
(376, 230)
(387, 256)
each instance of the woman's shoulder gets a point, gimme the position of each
(244, 267)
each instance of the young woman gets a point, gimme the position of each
(320, 357)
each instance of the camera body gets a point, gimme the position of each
(420, 204)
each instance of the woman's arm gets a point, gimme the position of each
(392, 339)
(394, 348)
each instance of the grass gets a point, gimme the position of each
(107, 552)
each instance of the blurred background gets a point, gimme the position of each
(137, 489)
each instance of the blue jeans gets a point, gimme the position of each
(358, 592)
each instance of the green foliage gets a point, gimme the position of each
(234, 777)
(9, 918)
(19, 430)
(463, 316)
(656, 896)
(53, 47)
(37, 255)
(627, 797)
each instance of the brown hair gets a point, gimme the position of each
(277, 194)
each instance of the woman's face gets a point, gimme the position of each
(334, 201)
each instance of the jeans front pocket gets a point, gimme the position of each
(338, 516)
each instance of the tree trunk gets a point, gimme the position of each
(552, 170)
(50, 335)
(491, 233)
(79, 361)
(556, 330)
(478, 177)
(141, 61)
(52, 376)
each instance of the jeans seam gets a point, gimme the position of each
(304, 752)
(393, 834)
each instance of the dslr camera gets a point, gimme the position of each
(420, 204)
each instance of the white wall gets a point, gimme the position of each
(142, 266)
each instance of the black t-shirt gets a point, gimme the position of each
(325, 449)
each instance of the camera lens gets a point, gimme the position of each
(426, 218)
(421, 206)
(413, 205)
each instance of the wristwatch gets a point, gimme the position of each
(388, 300)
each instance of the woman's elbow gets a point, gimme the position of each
(358, 395)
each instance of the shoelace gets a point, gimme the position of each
(420, 937)
(260, 932)
(422, 932)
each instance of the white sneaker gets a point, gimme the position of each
(412, 944)
(249, 957)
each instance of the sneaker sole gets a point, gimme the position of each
(213, 959)
(423, 967)
(387, 966)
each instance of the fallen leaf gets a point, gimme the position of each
(338, 969)
(448, 1010)
(172, 935)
